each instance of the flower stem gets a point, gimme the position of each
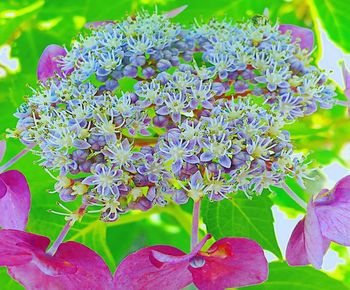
(195, 223)
(342, 103)
(16, 158)
(70, 222)
(144, 141)
(294, 196)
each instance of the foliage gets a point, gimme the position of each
(28, 26)
(241, 217)
(297, 278)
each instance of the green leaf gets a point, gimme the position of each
(335, 17)
(38, 23)
(323, 134)
(161, 228)
(282, 276)
(7, 282)
(93, 234)
(241, 217)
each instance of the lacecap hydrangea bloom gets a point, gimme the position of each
(145, 111)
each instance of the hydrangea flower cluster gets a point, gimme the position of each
(145, 110)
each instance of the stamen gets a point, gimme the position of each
(73, 217)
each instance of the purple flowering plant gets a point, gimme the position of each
(144, 115)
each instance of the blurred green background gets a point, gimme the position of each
(28, 26)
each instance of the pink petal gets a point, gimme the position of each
(16, 247)
(305, 35)
(165, 258)
(341, 191)
(175, 12)
(333, 211)
(3, 189)
(52, 266)
(314, 241)
(2, 149)
(231, 263)
(48, 64)
(296, 252)
(74, 266)
(141, 271)
(96, 24)
(306, 244)
(15, 202)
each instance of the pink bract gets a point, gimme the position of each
(48, 63)
(73, 267)
(305, 35)
(14, 200)
(327, 219)
(306, 244)
(141, 271)
(229, 263)
(333, 211)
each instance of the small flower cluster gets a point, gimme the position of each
(139, 46)
(144, 111)
(258, 59)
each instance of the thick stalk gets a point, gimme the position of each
(79, 213)
(16, 158)
(195, 223)
(294, 196)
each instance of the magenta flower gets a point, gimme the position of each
(48, 63)
(72, 267)
(14, 196)
(67, 266)
(305, 35)
(14, 200)
(327, 219)
(229, 262)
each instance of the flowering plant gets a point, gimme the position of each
(147, 115)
